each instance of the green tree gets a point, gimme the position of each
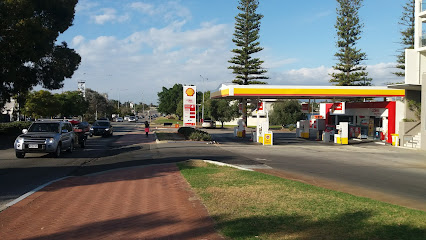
(28, 54)
(286, 112)
(246, 68)
(349, 28)
(98, 106)
(41, 104)
(223, 110)
(168, 99)
(407, 35)
(71, 104)
(179, 109)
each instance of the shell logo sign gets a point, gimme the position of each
(189, 106)
(190, 92)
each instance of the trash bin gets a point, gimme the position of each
(395, 139)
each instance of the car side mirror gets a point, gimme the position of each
(64, 130)
(24, 131)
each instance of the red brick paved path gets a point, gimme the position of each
(153, 202)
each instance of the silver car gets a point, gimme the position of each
(48, 136)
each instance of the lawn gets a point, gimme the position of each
(162, 120)
(252, 205)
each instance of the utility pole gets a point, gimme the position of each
(202, 107)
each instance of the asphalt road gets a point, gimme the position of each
(382, 172)
(18, 176)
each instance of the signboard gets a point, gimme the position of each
(189, 106)
(81, 86)
(260, 108)
(305, 107)
(338, 108)
(267, 140)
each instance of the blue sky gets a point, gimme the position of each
(133, 48)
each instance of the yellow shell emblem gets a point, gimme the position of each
(190, 92)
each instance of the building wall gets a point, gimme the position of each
(423, 115)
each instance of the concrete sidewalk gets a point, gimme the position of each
(153, 202)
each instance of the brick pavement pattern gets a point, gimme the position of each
(153, 202)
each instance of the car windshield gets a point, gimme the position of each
(103, 124)
(44, 127)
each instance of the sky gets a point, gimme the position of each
(130, 49)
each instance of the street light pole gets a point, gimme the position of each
(202, 107)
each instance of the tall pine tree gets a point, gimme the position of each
(349, 28)
(407, 38)
(246, 68)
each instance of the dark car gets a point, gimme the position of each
(101, 128)
(82, 130)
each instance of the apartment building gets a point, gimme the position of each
(412, 131)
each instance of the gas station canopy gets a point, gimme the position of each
(303, 92)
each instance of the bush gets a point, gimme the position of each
(186, 131)
(200, 136)
(194, 134)
(13, 128)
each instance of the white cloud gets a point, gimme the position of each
(145, 61)
(85, 5)
(142, 7)
(109, 15)
(77, 40)
(169, 11)
(380, 73)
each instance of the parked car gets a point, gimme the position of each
(101, 128)
(46, 136)
(126, 118)
(208, 123)
(82, 130)
(132, 119)
(119, 119)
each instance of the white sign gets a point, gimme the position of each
(338, 108)
(81, 86)
(189, 106)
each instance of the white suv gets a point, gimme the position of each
(50, 136)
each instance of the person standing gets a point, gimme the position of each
(146, 128)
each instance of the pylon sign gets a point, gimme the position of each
(82, 88)
(189, 106)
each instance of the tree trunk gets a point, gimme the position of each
(244, 110)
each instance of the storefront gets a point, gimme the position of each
(367, 120)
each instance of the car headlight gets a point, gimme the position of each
(91, 129)
(50, 140)
(106, 129)
(20, 140)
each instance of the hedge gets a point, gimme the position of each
(13, 128)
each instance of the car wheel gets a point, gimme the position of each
(57, 152)
(111, 134)
(71, 147)
(20, 155)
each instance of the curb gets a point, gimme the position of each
(226, 165)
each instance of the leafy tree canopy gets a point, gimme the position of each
(28, 54)
(286, 112)
(223, 110)
(41, 104)
(169, 98)
(71, 104)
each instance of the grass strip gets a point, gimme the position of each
(253, 205)
(164, 136)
